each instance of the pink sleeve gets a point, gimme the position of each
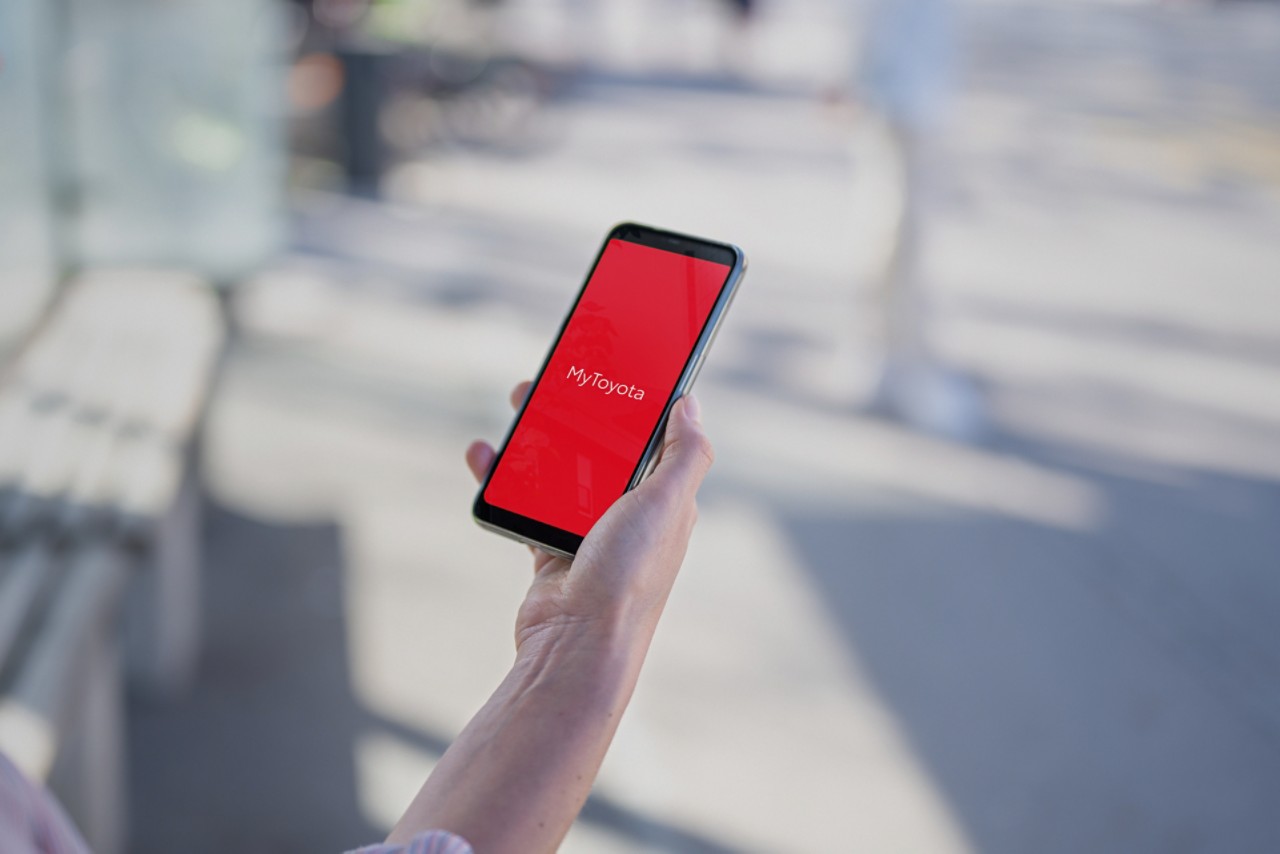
(31, 822)
(432, 842)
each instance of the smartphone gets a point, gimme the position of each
(592, 422)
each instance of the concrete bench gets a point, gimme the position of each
(99, 526)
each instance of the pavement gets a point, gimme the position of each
(1063, 638)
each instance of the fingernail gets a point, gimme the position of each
(691, 410)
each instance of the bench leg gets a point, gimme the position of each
(165, 623)
(77, 684)
(90, 777)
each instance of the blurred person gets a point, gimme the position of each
(516, 776)
(735, 49)
(904, 84)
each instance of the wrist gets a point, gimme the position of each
(598, 661)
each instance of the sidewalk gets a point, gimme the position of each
(1066, 639)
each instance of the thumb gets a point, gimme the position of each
(686, 451)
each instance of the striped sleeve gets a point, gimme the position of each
(31, 822)
(432, 842)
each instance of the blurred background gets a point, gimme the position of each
(990, 556)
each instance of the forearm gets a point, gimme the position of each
(517, 775)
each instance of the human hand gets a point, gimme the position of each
(518, 773)
(628, 562)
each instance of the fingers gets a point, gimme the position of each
(479, 458)
(519, 393)
(686, 451)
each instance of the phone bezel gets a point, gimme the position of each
(557, 540)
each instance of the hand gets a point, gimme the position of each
(628, 562)
(517, 775)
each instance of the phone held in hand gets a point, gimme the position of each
(593, 420)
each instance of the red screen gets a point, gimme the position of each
(605, 386)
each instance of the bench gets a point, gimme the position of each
(99, 526)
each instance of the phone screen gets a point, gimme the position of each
(605, 385)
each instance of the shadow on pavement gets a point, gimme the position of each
(1075, 690)
(258, 758)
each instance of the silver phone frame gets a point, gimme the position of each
(693, 366)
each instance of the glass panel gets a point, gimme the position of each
(28, 271)
(178, 128)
